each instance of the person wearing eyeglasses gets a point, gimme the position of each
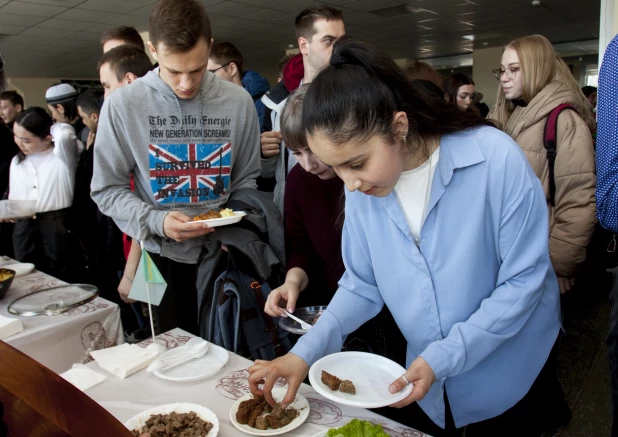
(226, 61)
(533, 82)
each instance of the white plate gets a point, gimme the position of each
(224, 221)
(20, 269)
(136, 422)
(371, 375)
(300, 403)
(196, 369)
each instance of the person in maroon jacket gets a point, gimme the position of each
(313, 215)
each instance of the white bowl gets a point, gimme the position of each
(139, 420)
(16, 209)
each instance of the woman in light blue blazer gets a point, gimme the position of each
(447, 225)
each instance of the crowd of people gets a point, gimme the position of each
(441, 234)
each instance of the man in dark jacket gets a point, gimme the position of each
(226, 62)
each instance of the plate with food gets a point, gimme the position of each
(223, 217)
(355, 428)
(252, 415)
(306, 314)
(357, 379)
(187, 419)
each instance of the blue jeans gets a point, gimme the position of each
(612, 353)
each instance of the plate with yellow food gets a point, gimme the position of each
(218, 218)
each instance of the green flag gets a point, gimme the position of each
(148, 284)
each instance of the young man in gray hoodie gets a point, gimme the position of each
(188, 138)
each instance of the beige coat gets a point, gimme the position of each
(573, 219)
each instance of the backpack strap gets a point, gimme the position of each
(271, 328)
(549, 141)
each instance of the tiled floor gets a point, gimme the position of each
(583, 368)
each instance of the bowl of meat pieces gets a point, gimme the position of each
(257, 413)
(176, 425)
(175, 420)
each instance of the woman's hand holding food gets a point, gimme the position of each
(296, 280)
(421, 375)
(290, 367)
(178, 226)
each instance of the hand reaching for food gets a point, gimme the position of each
(290, 367)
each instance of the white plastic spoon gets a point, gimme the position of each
(303, 324)
(195, 348)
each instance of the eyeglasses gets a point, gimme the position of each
(510, 72)
(217, 69)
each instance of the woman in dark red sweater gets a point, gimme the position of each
(313, 215)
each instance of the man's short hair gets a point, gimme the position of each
(306, 19)
(13, 97)
(129, 35)
(225, 52)
(283, 62)
(90, 101)
(179, 24)
(292, 131)
(126, 59)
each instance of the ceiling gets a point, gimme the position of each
(60, 38)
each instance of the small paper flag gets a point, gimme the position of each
(148, 284)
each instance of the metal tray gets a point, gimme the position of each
(53, 301)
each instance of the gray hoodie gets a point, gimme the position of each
(185, 155)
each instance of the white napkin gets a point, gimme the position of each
(124, 360)
(82, 377)
(9, 326)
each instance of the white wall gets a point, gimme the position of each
(32, 89)
(486, 60)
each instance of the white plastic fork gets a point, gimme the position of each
(303, 324)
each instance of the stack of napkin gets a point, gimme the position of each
(9, 326)
(124, 360)
(82, 377)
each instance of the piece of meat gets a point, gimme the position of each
(254, 414)
(347, 387)
(261, 423)
(292, 413)
(278, 412)
(330, 380)
(273, 422)
(244, 409)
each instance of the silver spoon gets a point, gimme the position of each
(303, 324)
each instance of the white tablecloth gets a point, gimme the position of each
(124, 398)
(59, 341)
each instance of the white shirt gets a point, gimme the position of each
(413, 191)
(48, 177)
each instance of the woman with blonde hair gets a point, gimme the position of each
(534, 82)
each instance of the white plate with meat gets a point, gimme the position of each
(137, 422)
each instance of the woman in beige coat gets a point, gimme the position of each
(533, 81)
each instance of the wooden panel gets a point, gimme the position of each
(37, 402)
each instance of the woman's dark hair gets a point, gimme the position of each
(452, 82)
(70, 109)
(356, 95)
(36, 121)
